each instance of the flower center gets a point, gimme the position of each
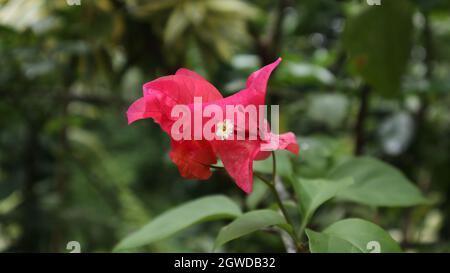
(224, 129)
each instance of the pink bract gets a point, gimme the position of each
(194, 157)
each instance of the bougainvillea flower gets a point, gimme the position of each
(193, 156)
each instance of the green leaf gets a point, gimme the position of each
(176, 25)
(308, 73)
(432, 5)
(376, 184)
(324, 243)
(153, 6)
(312, 193)
(195, 12)
(200, 210)
(379, 43)
(235, 7)
(248, 223)
(352, 235)
(259, 192)
(337, 106)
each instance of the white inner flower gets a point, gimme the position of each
(224, 129)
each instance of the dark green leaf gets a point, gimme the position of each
(379, 43)
(200, 210)
(376, 184)
(176, 25)
(352, 235)
(312, 193)
(248, 223)
(324, 243)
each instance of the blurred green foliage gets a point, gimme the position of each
(355, 80)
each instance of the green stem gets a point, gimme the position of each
(302, 228)
(278, 198)
(271, 185)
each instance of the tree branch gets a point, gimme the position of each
(360, 134)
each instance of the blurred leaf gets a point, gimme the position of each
(379, 43)
(22, 14)
(336, 104)
(312, 193)
(200, 210)
(233, 7)
(259, 191)
(396, 133)
(143, 8)
(249, 62)
(429, 5)
(313, 146)
(10, 203)
(376, 184)
(319, 153)
(306, 73)
(195, 11)
(176, 25)
(223, 46)
(212, 24)
(352, 235)
(284, 165)
(248, 223)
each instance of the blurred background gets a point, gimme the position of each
(355, 79)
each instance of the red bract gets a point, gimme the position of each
(194, 157)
